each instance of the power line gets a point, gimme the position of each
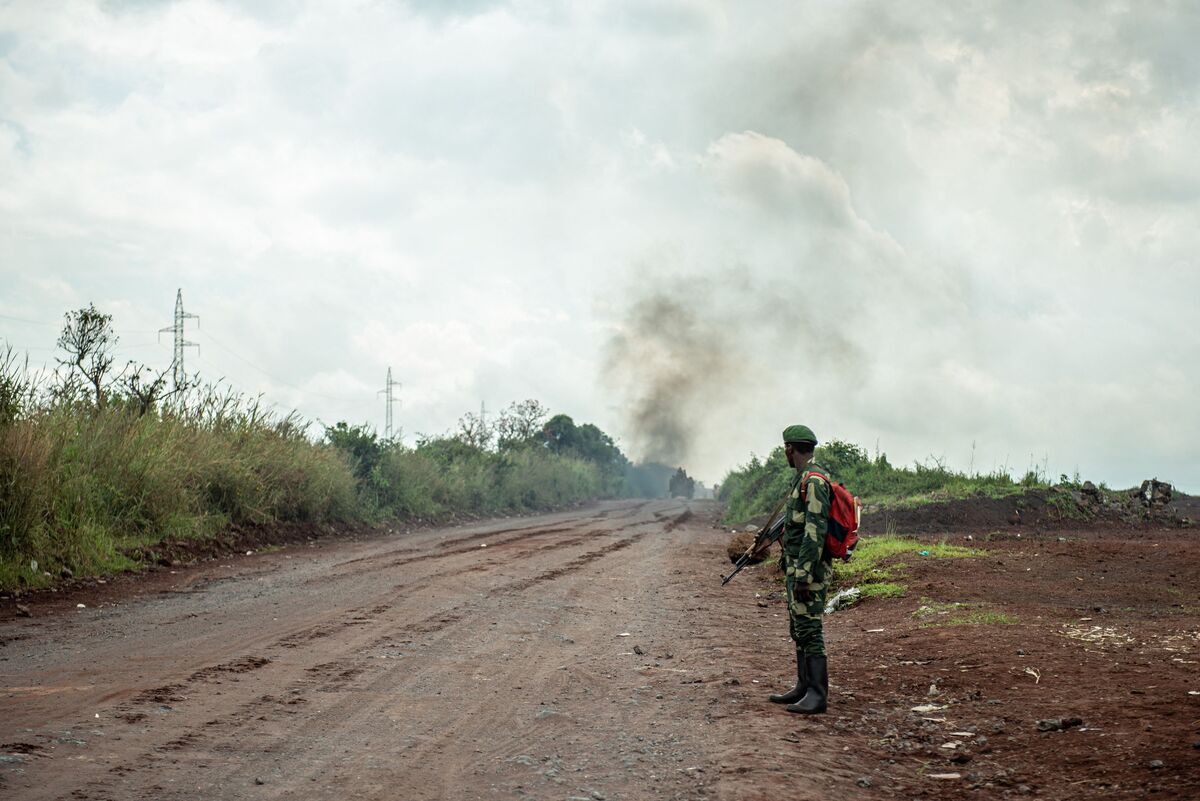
(58, 323)
(177, 330)
(277, 379)
(23, 320)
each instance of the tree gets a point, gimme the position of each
(144, 388)
(520, 423)
(88, 339)
(561, 435)
(474, 430)
(360, 444)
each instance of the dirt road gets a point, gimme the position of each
(594, 655)
(575, 655)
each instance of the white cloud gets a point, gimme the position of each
(991, 213)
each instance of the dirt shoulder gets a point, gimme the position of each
(968, 686)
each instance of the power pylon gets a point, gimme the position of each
(179, 374)
(391, 398)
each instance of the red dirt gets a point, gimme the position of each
(427, 666)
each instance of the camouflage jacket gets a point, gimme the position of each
(807, 521)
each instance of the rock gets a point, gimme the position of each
(23, 611)
(637, 649)
(863, 781)
(1156, 764)
(259, 781)
(1058, 724)
(67, 573)
(961, 758)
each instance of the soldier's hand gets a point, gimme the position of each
(804, 594)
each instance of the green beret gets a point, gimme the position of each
(799, 434)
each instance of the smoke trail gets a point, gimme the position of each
(671, 364)
(693, 359)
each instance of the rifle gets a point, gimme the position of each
(771, 531)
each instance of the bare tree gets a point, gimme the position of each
(88, 339)
(521, 422)
(474, 430)
(144, 388)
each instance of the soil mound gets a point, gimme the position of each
(738, 544)
(1056, 508)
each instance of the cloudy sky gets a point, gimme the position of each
(963, 231)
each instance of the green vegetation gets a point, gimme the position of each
(481, 469)
(81, 486)
(755, 487)
(96, 463)
(957, 613)
(883, 590)
(874, 568)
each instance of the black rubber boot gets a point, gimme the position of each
(817, 697)
(796, 693)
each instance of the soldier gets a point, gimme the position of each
(807, 572)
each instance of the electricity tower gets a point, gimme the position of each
(179, 374)
(391, 398)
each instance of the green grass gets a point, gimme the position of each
(86, 488)
(872, 559)
(877, 569)
(754, 488)
(883, 590)
(1064, 505)
(81, 487)
(959, 613)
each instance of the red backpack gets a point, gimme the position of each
(844, 512)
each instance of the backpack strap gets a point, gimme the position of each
(804, 481)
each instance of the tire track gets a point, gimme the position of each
(229, 731)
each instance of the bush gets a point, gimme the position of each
(106, 461)
(444, 477)
(78, 488)
(755, 488)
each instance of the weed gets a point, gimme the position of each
(82, 486)
(1063, 503)
(883, 590)
(755, 487)
(959, 613)
(874, 568)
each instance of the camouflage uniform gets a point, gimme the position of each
(804, 562)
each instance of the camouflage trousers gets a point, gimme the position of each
(804, 617)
